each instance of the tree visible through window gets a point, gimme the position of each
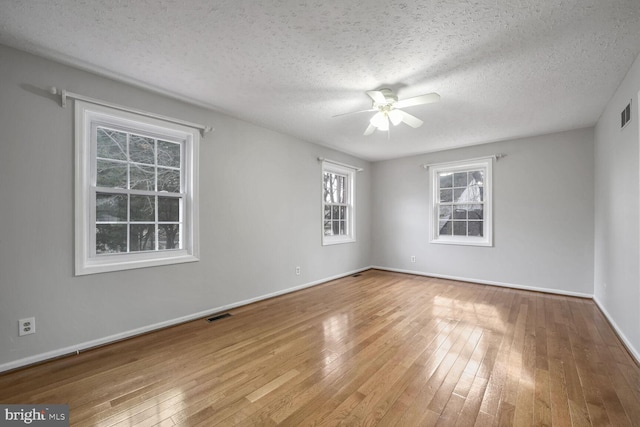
(335, 204)
(147, 216)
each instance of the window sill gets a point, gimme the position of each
(328, 241)
(481, 241)
(108, 263)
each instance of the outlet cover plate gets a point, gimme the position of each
(26, 326)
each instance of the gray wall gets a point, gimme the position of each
(260, 216)
(543, 215)
(616, 274)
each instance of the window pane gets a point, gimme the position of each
(459, 214)
(343, 212)
(168, 154)
(111, 174)
(336, 227)
(142, 177)
(142, 208)
(169, 180)
(326, 186)
(335, 212)
(477, 176)
(457, 193)
(476, 213)
(111, 207)
(446, 180)
(459, 228)
(142, 150)
(111, 144)
(472, 193)
(460, 179)
(142, 237)
(111, 238)
(168, 209)
(445, 228)
(327, 212)
(342, 189)
(329, 188)
(168, 236)
(343, 228)
(327, 228)
(335, 188)
(476, 228)
(445, 212)
(446, 196)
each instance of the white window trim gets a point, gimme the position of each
(487, 238)
(328, 166)
(86, 261)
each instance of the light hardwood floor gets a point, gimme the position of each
(379, 349)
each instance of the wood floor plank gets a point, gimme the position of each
(560, 414)
(542, 404)
(383, 348)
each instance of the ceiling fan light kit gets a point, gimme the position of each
(388, 109)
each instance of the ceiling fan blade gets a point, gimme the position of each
(418, 100)
(377, 119)
(412, 121)
(370, 129)
(377, 96)
(355, 112)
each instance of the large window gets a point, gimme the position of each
(338, 211)
(136, 189)
(462, 203)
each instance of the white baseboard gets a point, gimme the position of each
(487, 282)
(630, 348)
(30, 360)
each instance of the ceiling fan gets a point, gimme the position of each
(388, 109)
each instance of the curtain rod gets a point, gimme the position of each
(495, 156)
(357, 169)
(65, 94)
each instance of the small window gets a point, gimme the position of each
(462, 203)
(338, 212)
(136, 191)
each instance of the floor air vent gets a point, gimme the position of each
(357, 275)
(218, 317)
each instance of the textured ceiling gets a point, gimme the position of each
(504, 69)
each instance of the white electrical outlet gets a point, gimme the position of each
(27, 326)
(297, 270)
(413, 258)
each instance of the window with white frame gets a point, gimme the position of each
(338, 210)
(461, 194)
(136, 191)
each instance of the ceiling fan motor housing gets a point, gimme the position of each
(390, 97)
